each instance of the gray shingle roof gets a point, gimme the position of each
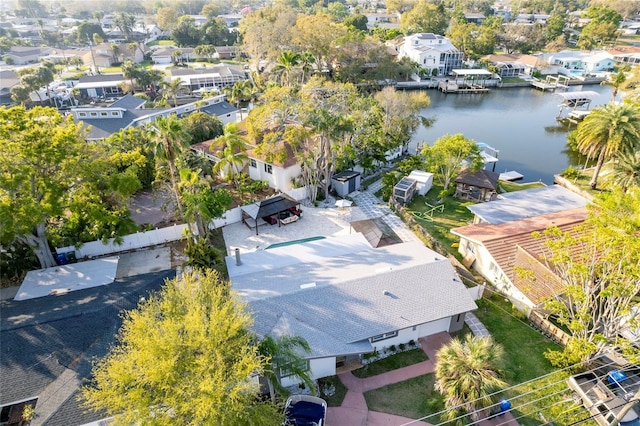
(105, 127)
(42, 338)
(220, 108)
(128, 102)
(347, 303)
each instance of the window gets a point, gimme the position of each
(252, 163)
(114, 113)
(93, 114)
(287, 369)
(82, 114)
(384, 336)
(470, 248)
(103, 113)
(268, 168)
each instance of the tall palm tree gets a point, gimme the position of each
(617, 80)
(467, 374)
(285, 64)
(607, 131)
(232, 156)
(285, 354)
(172, 89)
(306, 61)
(624, 170)
(169, 142)
(240, 91)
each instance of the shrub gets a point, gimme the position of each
(402, 347)
(412, 343)
(571, 173)
(392, 348)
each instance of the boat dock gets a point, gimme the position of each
(510, 175)
(551, 83)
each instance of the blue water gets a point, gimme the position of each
(520, 122)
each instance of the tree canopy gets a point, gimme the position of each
(185, 353)
(449, 155)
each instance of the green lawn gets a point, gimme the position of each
(454, 214)
(524, 361)
(340, 390)
(413, 398)
(514, 186)
(392, 362)
(161, 43)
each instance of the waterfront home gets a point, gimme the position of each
(101, 86)
(577, 63)
(518, 205)
(514, 65)
(433, 53)
(347, 299)
(625, 54)
(502, 252)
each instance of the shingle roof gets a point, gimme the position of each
(219, 108)
(128, 102)
(353, 296)
(482, 178)
(44, 337)
(100, 78)
(104, 127)
(528, 203)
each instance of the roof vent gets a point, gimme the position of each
(309, 285)
(386, 293)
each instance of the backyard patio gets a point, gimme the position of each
(313, 223)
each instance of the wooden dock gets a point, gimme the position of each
(543, 85)
(511, 175)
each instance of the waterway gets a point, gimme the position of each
(519, 122)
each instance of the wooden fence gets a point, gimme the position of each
(549, 329)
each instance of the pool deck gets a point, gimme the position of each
(315, 221)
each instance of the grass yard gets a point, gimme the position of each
(392, 362)
(413, 398)
(161, 43)
(339, 390)
(514, 186)
(454, 214)
(524, 361)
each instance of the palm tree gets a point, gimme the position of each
(172, 89)
(169, 142)
(467, 374)
(285, 354)
(241, 90)
(306, 61)
(285, 65)
(624, 170)
(607, 131)
(232, 156)
(616, 82)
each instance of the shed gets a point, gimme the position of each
(346, 182)
(404, 190)
(279, 209)
(424, 181)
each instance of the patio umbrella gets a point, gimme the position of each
(343, 203)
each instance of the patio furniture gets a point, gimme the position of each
(289, 219)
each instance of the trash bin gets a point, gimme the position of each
(71, 257)
(505, 405)
(61, 258)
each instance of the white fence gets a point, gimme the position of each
(158, 236)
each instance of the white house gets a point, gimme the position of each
(279, 174)
(347, 299)
(431, 52)
(502, 251)
(598, 62)
(209, 78)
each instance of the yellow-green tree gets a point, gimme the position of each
(184, 356)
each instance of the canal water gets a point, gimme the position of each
(519, 122)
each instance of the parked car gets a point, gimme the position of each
(607, 389)
(305, 410)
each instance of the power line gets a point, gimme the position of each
(519, 395)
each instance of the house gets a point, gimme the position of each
(510, 65)
(518, 205)
(49, 345)
(209, 78)
(167, 55)
(101, 86)
(382, 20)
(474, 18)
(102, 122)
(598, 62)
(227, 52)
(532, 18)
(104, 55)
(502, 251)
(625, 54)
(24, 55)
(231, 19)
(481, 185)
(434, 53)
(279, 170)
(8, 79)
(347, 299)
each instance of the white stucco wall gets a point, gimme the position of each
(280, 179)
(319, 368)
(407, 334)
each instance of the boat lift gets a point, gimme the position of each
(576, 102)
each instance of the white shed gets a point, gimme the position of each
(424, 181)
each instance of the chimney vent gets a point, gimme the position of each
(238, 262)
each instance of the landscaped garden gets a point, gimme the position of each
(392, 362)
(332, 390)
